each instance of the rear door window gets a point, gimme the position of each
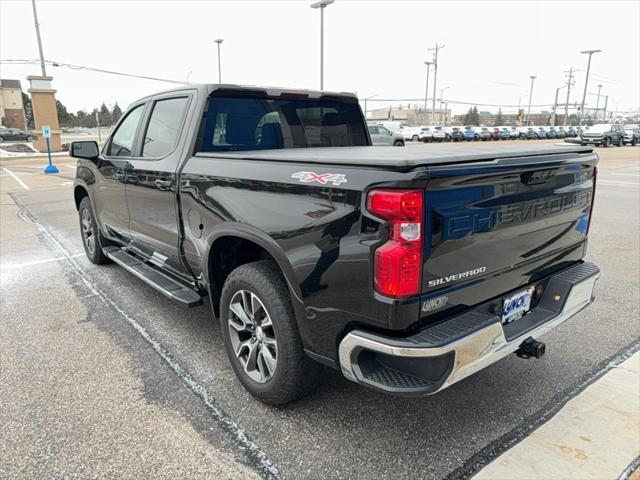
(164, 127)
(241, 123)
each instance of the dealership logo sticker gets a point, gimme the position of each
(434, 304)
(321, 178)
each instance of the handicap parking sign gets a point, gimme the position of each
(46, 131)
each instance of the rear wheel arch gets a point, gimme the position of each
(230, 250)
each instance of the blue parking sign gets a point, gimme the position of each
(46, 131)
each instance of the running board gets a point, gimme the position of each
(166, 285)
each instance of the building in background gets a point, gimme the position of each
(11, 106)
(409, 115)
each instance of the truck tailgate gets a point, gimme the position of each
(517, 218)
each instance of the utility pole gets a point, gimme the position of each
(219, 41)
(98, 125)
(442, 119)
(604, 113)
(597, 102)
(35, 19)
(426, 88)
(586, 81)
(532, 77)
(435, 80)
(322, 4)
(555, 106)
(566, 105)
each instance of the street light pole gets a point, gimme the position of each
(35, 19)
(566, 105)
(532, 77)
(586, 81)
(219, 41)
(441, 113)
(435, 80)
(426, 88)
(598, 102)
(322, 4)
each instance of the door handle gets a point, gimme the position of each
(163, 183)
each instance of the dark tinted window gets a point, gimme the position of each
(164, 127)
(237, 123)
(122, 140)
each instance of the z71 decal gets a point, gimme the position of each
(321, 178)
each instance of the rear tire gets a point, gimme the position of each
(261, 335)
(634, 141)
(1, 139)
(606, 142)
(29, 138)
(92, 239)
(415, 138)
(398, 143)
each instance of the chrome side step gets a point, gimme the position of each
(166, 285)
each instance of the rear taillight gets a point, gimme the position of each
(398, 262)
(593, 198)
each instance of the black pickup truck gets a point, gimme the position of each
(408, 269)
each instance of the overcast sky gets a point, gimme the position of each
(371, 47)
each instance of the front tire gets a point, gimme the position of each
(29, 139)
(92, 239)
(261, 336)
(606, 142)
(415, 138)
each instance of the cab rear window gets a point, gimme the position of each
(239, 123)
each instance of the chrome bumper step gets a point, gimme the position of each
(444, 354)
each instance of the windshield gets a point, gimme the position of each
(244, 123)
(602, 127)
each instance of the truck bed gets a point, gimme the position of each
(397, 158)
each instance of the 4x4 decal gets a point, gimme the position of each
(321, 178)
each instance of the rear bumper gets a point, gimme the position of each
(444, 354)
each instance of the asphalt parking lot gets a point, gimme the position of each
(101, 376)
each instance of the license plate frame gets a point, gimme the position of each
(516, 306)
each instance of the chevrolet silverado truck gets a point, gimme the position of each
(407, 269)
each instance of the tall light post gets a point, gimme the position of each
(35, 19)
(436, 49)
(426, 88)
(322, 4)
(586, 81)
(441, 112)
(598, 102)
(532, 77)
(219, 41)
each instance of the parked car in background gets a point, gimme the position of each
(631, 134)
(485, 134)
(14, 135)
(440, 134)
(426, 134)
(560, 133)
(381, 135)
(471, 134)
(457, 134)
(541, 132)
(496, 134)
(519, 133)
(532, 133)
(604, 134)
(410, 133)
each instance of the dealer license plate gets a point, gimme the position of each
(516, 306)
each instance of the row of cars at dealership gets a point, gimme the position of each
(604, 134)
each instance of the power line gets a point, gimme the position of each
(90, 69)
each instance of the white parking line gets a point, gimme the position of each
(37, 262)
(15, 177)
(612, 182)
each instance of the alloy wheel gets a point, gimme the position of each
(252, 336)
(87, 231)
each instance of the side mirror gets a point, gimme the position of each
(87, 149)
